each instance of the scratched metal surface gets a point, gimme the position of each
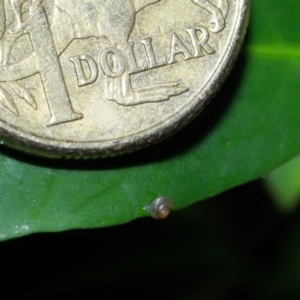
(104, 77)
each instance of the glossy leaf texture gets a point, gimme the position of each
(251, 127)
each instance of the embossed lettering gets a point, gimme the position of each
(82, 77)
(112, 62)
(48, 66)
(200, 43)
(152, 62)
(132, 64)
(178, 47)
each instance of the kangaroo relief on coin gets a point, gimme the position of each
(105, 77)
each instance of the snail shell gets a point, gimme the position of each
(160, 208)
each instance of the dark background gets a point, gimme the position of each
(234, 246)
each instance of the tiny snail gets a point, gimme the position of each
(160, 208)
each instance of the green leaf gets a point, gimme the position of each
(284, 185)
(250, 128)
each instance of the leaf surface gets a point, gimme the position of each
(284, 185)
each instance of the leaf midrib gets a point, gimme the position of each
(279, 53)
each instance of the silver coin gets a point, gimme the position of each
(106, 77)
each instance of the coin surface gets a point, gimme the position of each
(105, 77)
